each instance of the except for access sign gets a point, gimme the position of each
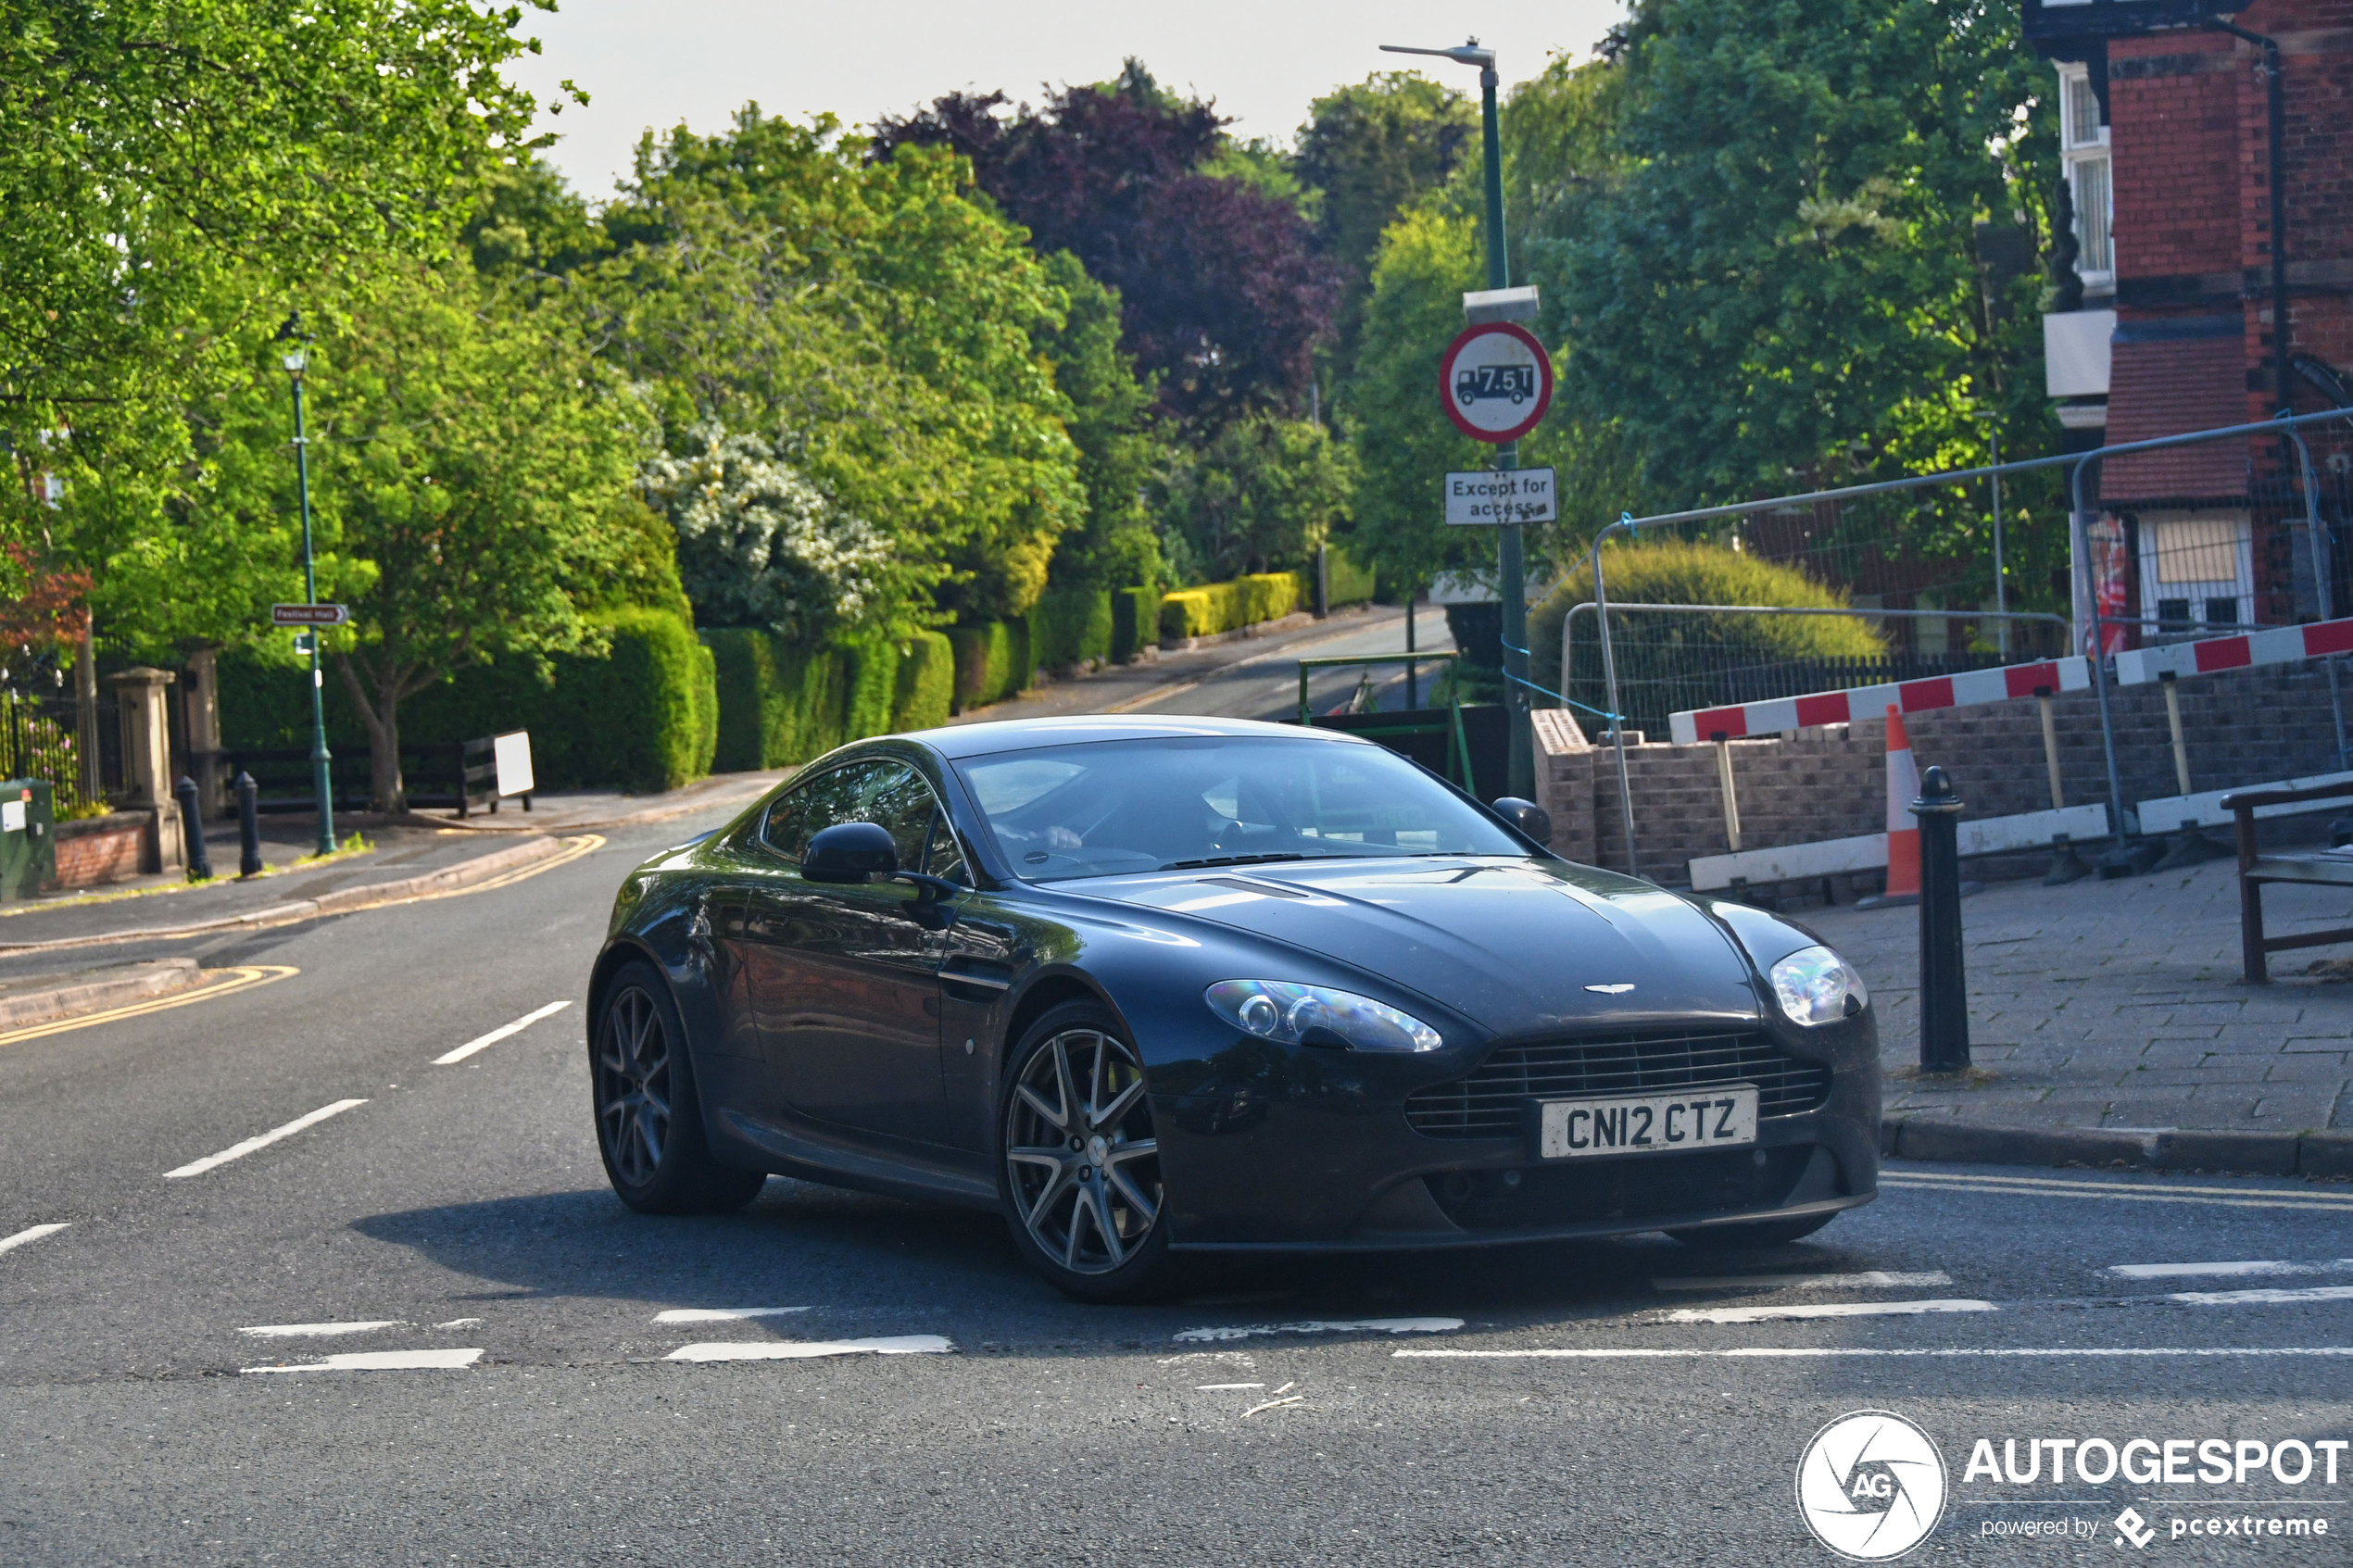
(1496, 381)
(1522, 496)
(308, 615)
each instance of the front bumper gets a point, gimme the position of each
(1314, 1153)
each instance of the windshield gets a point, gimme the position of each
(1113, 808)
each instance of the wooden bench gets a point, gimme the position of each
(2329, 868)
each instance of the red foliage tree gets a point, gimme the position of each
(1222, 293)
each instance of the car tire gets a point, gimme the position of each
(1754, 1233)
(1078, 1163)
(649, 1118)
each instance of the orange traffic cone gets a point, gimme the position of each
(1903, 828)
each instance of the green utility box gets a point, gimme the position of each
(28, 837)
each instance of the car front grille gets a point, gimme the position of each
(1491, 1102)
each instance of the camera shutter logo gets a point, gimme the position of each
(1870, 1486)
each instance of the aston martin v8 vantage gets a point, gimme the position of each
(1153, 987)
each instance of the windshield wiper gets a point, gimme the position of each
(1242, 860)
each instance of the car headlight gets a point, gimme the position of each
(1816, 986)
(1316, 1015)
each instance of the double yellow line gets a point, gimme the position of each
(217, 982)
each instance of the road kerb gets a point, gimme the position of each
(493, 869)
(2172, 1148)
(133, 984)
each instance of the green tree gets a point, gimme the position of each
(1260, 496)
(1369, 151)
(870, 321)
(1120, 452)
(472, 470)
(154, 145)
(1768, 277)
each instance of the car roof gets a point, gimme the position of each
(957, 741)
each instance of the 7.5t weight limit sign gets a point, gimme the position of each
(1496, 382)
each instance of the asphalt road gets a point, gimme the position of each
(1256, 678)
(1535, 1406)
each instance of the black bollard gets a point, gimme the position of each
(1944, 987)
(248, 825)
(192, 830)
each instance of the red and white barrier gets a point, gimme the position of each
(2282, 644)
(1903, 828)
(1832, 857)
(1964, 690)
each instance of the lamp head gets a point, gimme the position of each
(295, 346)
(1468, 53)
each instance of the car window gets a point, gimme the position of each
(919, 827)
(890, 794)
(839, 794)
(1109, 808)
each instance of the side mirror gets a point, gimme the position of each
(850, 852)
(1526, 816)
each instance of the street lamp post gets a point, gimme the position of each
(1511, 564)
(296, 360)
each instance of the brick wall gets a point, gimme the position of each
(101, 848)
(2242, 727)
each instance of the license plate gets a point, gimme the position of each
(1724, 1117)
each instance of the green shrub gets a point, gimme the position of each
(1070, 628)
(992, 662)
(926, 685)
(642, 715)
(779, 705)
(1657, 655)
(1347, 582)
(1229, 606)
(1135, 621)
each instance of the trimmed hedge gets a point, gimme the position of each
(992, 662)
(1347, 582)
(1227, 606)
(1070, 628)
(780, 705)
(643, 716)
(1135, 622)
(926, 686)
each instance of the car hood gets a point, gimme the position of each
(1518, 947)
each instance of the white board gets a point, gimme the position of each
(512, 753)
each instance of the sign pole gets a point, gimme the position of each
(1511, 565)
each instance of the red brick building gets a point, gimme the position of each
(2169, 138)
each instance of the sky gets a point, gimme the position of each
(697, 62)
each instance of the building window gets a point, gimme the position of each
(2084, 150)
(2198, 571)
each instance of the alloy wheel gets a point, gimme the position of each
(1080, 1154)
(632, 1086)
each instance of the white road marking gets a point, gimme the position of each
(2264, 1298)
(1339, 1325)
(1761, 1352)
(794, 1350)
(458, 1322)
(317, 1330)
(1867, 1279)
(1274, 1404)
(517, 1027)
(2240, 1270)
(722, 1314)
(383, 1361)
(1219, 1387)
(239, 1150)
(2212, 1198)
(1826, 1310)
(29, 1233)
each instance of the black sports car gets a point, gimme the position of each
(1156, 985)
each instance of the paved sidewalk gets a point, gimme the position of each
(2119, 1006)
(600, 811)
